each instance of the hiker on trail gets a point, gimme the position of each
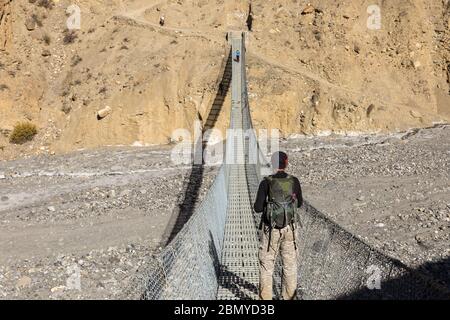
(279, 196)
(162, 20)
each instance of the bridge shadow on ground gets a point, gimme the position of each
(429, 281)
(185, 209)
(222, 92)
(187, 200)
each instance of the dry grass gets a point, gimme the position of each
(66, 108)
(69, 37)
(48, 4)
(76, 60)
(37, 20)
(46, 38)
(23, 132)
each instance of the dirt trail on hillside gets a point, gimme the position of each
(315, 77)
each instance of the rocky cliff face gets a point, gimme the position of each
(320, 68)
(311, 68)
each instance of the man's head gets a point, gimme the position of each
(279, 161)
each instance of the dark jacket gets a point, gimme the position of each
(263, 191)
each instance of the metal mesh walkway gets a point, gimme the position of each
(238, 278)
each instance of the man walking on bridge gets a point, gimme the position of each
(279, 196)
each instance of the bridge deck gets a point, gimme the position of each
(239, 267)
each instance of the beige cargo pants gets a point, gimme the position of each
(282, 241)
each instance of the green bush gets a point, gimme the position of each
(23, 132)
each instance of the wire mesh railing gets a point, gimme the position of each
(188, 267)
(335, 264)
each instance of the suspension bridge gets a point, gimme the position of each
(214, 254)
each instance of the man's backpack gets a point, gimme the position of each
(282, 202)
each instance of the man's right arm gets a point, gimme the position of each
(261, 196)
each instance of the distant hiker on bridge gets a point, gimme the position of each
(238, 56)
(279, 196)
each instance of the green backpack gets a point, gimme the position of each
(282, 204)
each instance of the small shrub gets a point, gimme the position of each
(66, 108)
(36, 20)
(48, 4)
(23, 132)
(46, 38)
(69, 36)
(76, 60)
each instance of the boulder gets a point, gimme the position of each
(30, 24)
(308, 9)
(104, 112)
